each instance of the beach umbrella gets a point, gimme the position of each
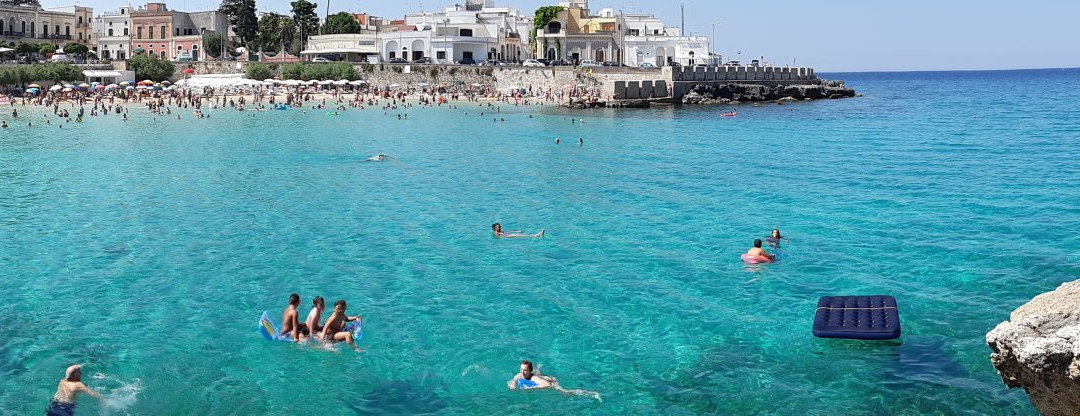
(475, 84)
(124, 83)
(421, 84)
(358, 82)
(166, 82)
(33, 86)
(99, 87)
(189, 71)
(84, 85)
(146, 82)
(55, 88)
(395, 85)
(111, 86)
(326, 82)
(269, 80)
(67, 90)
(129, 87)
(341, 82)
(32, 90)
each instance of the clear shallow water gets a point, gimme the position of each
(149, 249)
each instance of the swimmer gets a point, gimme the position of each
(290, 321)
(580, 141)
(313, 318)
(557, 141)
(497, 228)
(63, 402)
(378, 158)
(3, 125)
(774, 238)
(334, 327)
(527, 379)
(758, 251)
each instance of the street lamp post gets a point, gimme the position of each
(712, 48)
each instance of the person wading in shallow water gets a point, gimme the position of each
(63, 403)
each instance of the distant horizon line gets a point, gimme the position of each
(947, 70)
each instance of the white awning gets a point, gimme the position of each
(106, 74)
(370, 50)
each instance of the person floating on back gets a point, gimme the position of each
(527, 379)
(497, 228)
(757, 251)
(63, 403)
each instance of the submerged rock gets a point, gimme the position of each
(717, 93)
(1038, 349)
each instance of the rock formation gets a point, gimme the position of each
(717, 94)
(1039, 349)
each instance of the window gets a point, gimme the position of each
(393, 55)
(121, 11)
(57, 31)
(162, 54)
(176, 32)
(67, 30)
(179, 47)
(163, 31)
(440, 55)
(80, 19)
(194, 47)
(80, 35)
(126, 32)
(138, 32)
(465, 32)
(110, 32)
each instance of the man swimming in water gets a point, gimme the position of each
(334, 328)
(378, 158)
(315, 316)
(63, 402)
(758, 251)
(497, 228)
(527, 379)
(290, 321)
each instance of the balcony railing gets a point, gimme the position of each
(15, 34)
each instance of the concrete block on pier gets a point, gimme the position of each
(660, 88)
(646, 89)
(620, 89)
(741, 76)
(633, 90)
(699, 74)
(769, 74)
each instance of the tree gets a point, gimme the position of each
(76, 49)
(241, 15)
(307, 21)
(27, 48)
(271, 31)
(150, 67)
(341, 23)
(213, 43)
(259, 71)
(46, 48)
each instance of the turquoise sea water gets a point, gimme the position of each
(149, 249)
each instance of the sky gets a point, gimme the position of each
(829, 35)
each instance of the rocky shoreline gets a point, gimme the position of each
(1038, 349)
(732, 93)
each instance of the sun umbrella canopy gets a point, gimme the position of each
(67, 90)
(189, 71)
(32, 90)
(124, 83)
(341, 82)
(111, 86)
(476, 84)
(358, 82)
(395, 85)
(99, 87)
(33, 86)
(166, 82)
(55, 88)
(421, 84)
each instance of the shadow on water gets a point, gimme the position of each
(398, 398)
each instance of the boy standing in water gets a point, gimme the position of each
(334, 329)
(63, 403)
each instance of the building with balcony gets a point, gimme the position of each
(171, 34)
(111, 34)
(475, 31)
(575, 35)
(26, 21)
(649, 40)
(349, 47)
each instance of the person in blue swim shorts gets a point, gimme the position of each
(63, 403)
(527, 379)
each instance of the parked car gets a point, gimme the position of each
(588, 63)
(700, 66)
(532, 62)
(398, 61)
(319, 59)
(558, 62)
(673, 64)
(544, 61)
(424, 60)
(646, 65)
(755, 63)
(610, 63)
(466, 61)
(732, 63)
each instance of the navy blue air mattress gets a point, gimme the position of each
(857, 317)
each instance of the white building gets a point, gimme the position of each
(476, 31)
(26, 21)
(648, 40)
(111, 33)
